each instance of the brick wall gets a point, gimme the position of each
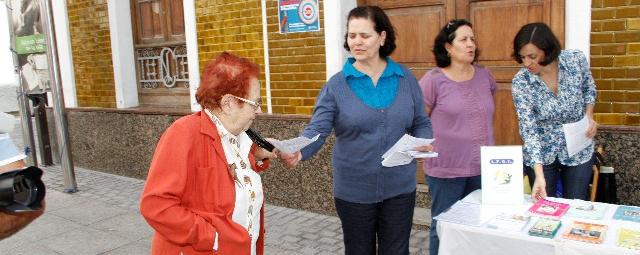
(234, 26)
(297, 60)
(91, 49)
(615, 60)
(298, 65)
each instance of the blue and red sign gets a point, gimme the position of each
(298, 16)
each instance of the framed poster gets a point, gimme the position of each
(502, 175)
(298, 16)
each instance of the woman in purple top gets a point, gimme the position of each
(458, 96)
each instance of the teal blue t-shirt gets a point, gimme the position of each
(377, 97)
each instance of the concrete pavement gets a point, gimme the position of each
(103, 218)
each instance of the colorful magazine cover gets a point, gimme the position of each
(586, 232)
(509, 222)
(587, 210)
(628, 213)
(546, 208)
(628, 238)
(545, 227)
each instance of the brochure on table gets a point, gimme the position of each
(501, 169)
(582, 229)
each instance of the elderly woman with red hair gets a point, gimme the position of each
(203, 193)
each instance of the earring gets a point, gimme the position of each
(382, 44)
(448, 54)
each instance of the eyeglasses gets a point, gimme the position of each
(255, 105)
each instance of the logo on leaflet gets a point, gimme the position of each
(501, 161)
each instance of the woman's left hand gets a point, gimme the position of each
(424, 148)
(593, 128)
(260, 154)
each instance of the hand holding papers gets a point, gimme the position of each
(576, 135)
(403, 152)
(292, 145)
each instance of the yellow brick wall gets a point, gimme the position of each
(297, 60)
(91, 49)
(231, 25)
(298, 65)
(615, 60)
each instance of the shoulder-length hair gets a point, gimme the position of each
(540, 35)
(381, 23)
(446, 35)
(226, 74)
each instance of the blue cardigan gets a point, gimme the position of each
(363, 134)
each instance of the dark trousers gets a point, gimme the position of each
(444, 193)
(390, 221)
(575, 179)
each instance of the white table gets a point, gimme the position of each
(458, 239)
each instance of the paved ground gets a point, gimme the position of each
(103, 218)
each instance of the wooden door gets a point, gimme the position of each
(495, 23)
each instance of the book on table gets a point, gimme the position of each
(509, 221)
(545, 227)
(628, 238)
(628, 213)
(587, 210)
(586, 232)
(547, 208)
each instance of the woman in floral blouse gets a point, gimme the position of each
(554, 87)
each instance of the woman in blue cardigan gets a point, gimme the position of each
(370, 105)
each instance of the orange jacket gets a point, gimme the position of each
(190, 195)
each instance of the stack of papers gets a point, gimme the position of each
(462, 213)
(403, 152)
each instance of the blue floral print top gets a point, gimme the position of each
(541, 113)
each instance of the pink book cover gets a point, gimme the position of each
(548, 208)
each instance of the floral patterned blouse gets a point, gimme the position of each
(541, 113)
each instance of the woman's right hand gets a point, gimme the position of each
(539, 189)
(290, 160)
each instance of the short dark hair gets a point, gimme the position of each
(381, 23)
(446, 35)
(540, 35)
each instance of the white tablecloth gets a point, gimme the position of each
(458, 239)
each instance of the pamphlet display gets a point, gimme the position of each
(628, 238)
(628, 213)
(609, 229)
(587, 210)
(586, 232)
(509, 222)
(502, 174)
(546, 208)
(545, 227)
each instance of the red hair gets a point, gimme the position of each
(226, 74)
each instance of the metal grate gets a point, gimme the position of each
(163, 65)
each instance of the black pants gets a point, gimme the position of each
(390, 221)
